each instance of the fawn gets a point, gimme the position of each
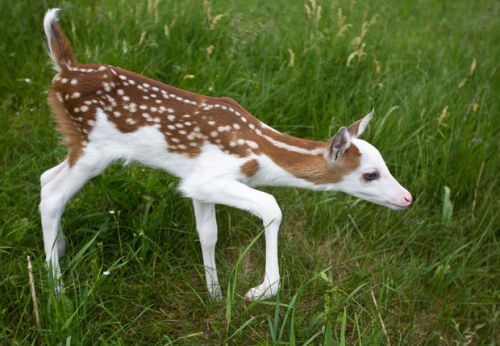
(219, 151)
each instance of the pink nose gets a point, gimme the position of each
(407, 198)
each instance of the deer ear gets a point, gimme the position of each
(357, 128)
(338, 145)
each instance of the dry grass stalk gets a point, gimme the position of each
(33, 293)
(380, 318)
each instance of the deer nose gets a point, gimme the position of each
(407, 197)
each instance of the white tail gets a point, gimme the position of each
(218, 150)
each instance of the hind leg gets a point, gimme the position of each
(61, 184)
(46, 178)
(51, 173)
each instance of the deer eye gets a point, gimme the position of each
(370, 176)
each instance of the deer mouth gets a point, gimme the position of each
(396, 206)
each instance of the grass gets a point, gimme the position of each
(352, 273)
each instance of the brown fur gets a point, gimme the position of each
(187, 120)
(60, 47)
(250, 168)
(73, 137)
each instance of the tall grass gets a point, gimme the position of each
(352, 273)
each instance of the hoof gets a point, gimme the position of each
(261, 292)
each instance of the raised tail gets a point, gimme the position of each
(60, 47)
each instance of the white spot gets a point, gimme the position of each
(91, 122)
(64, 80)
(182, 132)
(126, 98)
(75, 95)
(117, 114)
(211, 123)
(153, 95)
(153, 109)
(179, 125)
(120, 91)
(176, 140)
(213, 133)
(240, 141)
(171, 127)
(158, 101)
(131, 81)
(170, 110)
(252, 144)
(143, 107)
(237, 126)
(155, 89)
(146, 85)
(145, 97)
(74, 82)
(187, 123)
(76, 110)
(232, 143)
(84, 108)
(123, 77)
(171, 117)
(252, 126)
(101, 68)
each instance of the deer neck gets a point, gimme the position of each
(302, 162)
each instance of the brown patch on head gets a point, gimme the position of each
(347, 163)
(250, 168)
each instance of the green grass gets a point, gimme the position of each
(429, 274)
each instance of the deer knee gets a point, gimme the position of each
(271, 212)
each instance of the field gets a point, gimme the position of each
(352, 272)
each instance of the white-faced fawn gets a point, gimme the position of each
(219, 151)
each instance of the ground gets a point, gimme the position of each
(351, 272)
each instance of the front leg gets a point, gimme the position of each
(206, 225)
(236, 194)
